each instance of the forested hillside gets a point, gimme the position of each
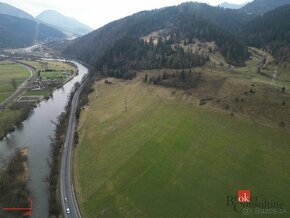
(259, 7)
(120, 44)
(68, 25)
(13, 11)
(18, 32)
(270, 31)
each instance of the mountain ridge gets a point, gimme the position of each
(13, 11)
(259, 7)
(18, 32)
(270, 31)
(177, 19)
(231, 5)
(68, 25)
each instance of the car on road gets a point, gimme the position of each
(67, 210)
(65, 199)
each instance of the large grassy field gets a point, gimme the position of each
(45, 92)
(53, 74)
(11, 76)
(167, 157)
(50, 64)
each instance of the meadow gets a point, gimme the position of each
(50, 70)
(8, 118)
(52, 74)
(50, 64)
(11, 76)
(166, 156)
(45, 92)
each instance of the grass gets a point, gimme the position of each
(8, 118)
(10, 71)
(58, 76)
(165, 157)
(45, 92)
(251, 68)
(58, 68)
(47, 64)
(36, 64)
(52, 74)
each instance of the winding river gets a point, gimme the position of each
(35, 134)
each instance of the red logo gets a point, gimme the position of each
(244, 195)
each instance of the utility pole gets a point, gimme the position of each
(125, 103)
(274, 77)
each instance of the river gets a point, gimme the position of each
(35, 134)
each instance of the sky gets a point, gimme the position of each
(96, 13)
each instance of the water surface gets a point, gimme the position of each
(35, 134)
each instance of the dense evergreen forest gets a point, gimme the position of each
(259, 7)
(119, 47)
(17, 32)
(270, 31)
(119, 44)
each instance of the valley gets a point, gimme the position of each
(152, 159)
(248, 90)
(36, 132)
(24, 83)
(149, 144)
(174, 111)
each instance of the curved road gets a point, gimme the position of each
(68, 198)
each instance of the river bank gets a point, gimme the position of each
(24, 108)
(14, 184)
(36, 133)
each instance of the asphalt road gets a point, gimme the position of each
(66, 181)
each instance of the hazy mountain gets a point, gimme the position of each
(68, 25)
(18, 32)
(270, 31)
(259, 7)
(119, 42)
(231, 6)
(10, 10)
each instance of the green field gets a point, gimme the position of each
(166, 157)
(53, 74)
(8, 118)
(45, 92)
(11, 76)
(50, 70)
(48, 64)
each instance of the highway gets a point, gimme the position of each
(68, 198)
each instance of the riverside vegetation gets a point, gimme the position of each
(57, 146)
(13, 74)
(14, 184)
